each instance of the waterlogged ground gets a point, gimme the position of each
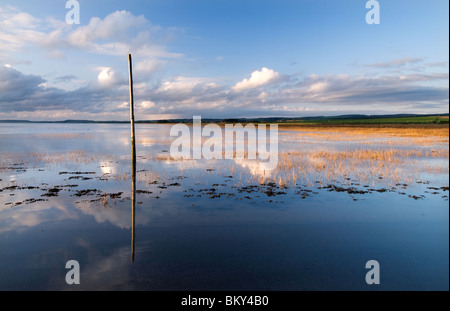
(339, 197)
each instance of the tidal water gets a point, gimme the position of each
(66, 194)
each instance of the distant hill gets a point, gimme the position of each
(341, 119)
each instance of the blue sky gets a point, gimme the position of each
(222, 58)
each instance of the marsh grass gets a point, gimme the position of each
(10, 160)
(308, 157)
(373, 156)
(370, 155)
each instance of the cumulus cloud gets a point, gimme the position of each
(179, 85)
(124, 105)
(118, 34)
(116, 25)
(22, 92)
(364, 92)
(16, 30)
(305, 95)
(103, 93)
(262, 92)
(107, 96)
(19, 90)
(185, 88)
(108, 77)
(147, 104)
(257, 78)
(147, 66)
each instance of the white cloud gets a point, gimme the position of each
(25, 97)
(106, 75)
(318, 87)
(115, 25)
(147, 104)
(118, 34)
(121, 33)
(108, 78)
(17, 29)
(144, 68)
(184, 85)
(11, 17)
(258, 78)
(123, 105)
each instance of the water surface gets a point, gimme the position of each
(312, 224)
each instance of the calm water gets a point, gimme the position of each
(66, 194)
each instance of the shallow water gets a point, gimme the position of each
(312, 224)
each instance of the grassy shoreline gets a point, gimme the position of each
(379, 120)
(366, 125)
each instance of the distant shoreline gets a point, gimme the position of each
(345, 120)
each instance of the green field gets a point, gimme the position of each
(377, 120)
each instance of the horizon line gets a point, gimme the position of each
(350, 116)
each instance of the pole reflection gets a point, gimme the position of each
(133, 206)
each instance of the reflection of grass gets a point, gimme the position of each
(363, 165)
(12, 160)
(312, 156)
(366, 154)
(62, 135)
(369, 155)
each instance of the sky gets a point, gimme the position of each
(222, 59)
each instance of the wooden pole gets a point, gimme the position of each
(133, 159)
(133, 146)
(133, 216)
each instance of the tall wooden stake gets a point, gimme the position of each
(133, 159)
(133, 146)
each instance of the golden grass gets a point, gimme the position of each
(372, 130)
(381, 166)
(373, 155)
(369, 155)
(391, 136)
